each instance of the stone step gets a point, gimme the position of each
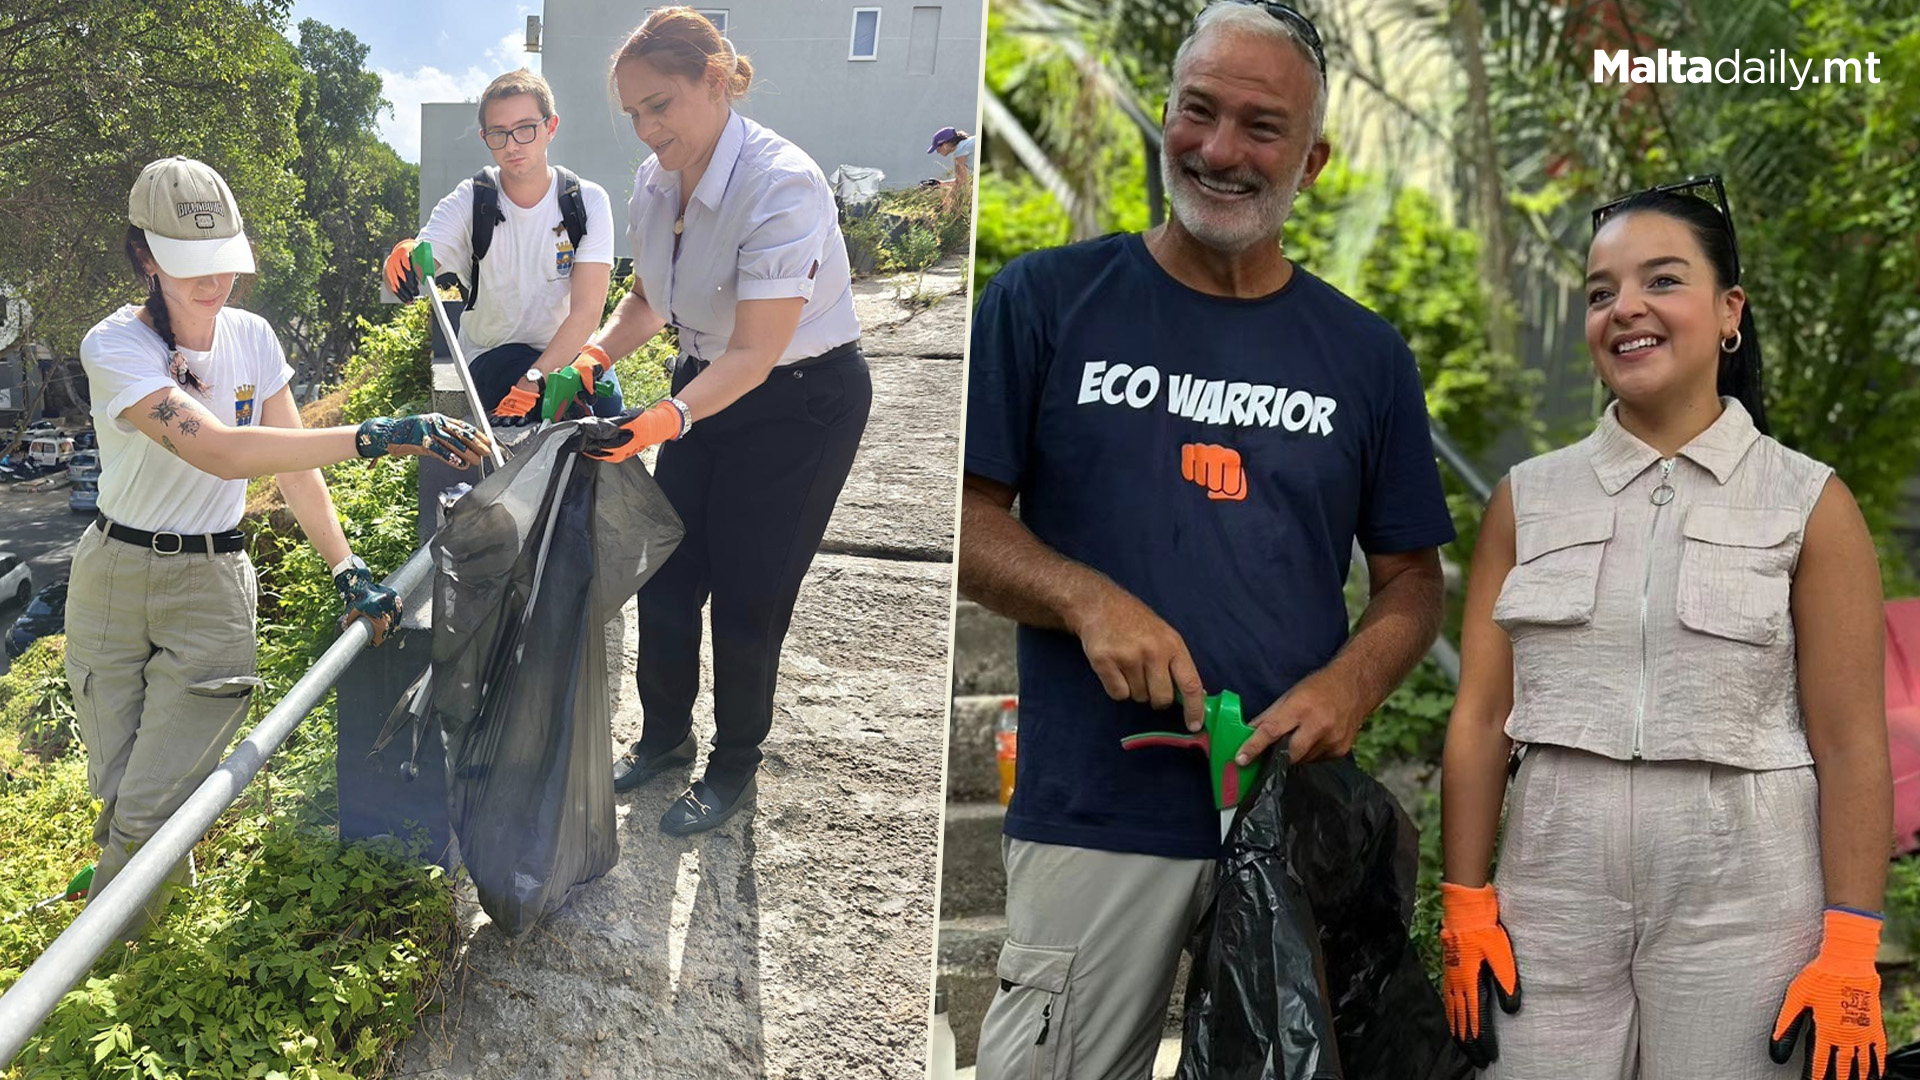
(983, 651)
(972, 775)
(973, 879)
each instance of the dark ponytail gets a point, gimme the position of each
(1739, 369)
(138, 254)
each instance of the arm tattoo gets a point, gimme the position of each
(189, 426)
(164, 411)
(168, 443)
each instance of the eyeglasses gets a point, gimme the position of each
(1301, 25)
(523, 134)
(1693, 186)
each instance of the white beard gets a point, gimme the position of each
(1229, 230)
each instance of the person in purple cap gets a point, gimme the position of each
(953, 143)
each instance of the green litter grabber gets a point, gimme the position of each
(76, 890)
(1221, 737)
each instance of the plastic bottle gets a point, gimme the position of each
(1006, 728)
(940, 1051)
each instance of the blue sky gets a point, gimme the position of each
(428, 51)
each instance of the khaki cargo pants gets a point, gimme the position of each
(1093, 943)
(160, 657)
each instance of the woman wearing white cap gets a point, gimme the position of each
(737, 243)
(190, 399)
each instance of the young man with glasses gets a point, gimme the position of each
(539, 297)
(1198, 432)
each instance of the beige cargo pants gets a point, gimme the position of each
(1093, 942)
(1658, 910)
(160, 657)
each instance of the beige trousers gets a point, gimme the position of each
(1658, 910)
(1093, 942)
(160, 657)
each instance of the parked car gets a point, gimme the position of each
(50, 450)
(85, 439)
(84, 464)
(45, 614)
(16, 581)
(83, 497)
(42, 427)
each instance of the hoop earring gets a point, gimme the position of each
(1734, 347)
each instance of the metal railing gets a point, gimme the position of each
(28, 1003)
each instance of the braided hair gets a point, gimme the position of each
(1739, 369)
(139, 255)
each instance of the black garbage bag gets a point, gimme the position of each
(528, 568)
(1303, 967)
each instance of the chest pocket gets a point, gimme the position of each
(1556, 572)
(1736, 572)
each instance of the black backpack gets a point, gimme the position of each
(487, 214)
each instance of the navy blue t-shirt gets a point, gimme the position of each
(1098, 385)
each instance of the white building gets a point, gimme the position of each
(864, 83)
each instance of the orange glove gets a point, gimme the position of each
(402, 278)
(517, 403)
(639, 429)
(1479, 968)
(1216, 468)
(1836, 999)
(592, 363)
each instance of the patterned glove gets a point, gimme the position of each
(454, 441)
(639, 429)
(1836, 1000)
(366, 599)
(401, 275)
(1479, 968)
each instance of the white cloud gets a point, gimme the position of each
(408, 90)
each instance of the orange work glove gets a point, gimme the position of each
(518, 403)
(1216, 468)
(1836, 1000)
(592, 363)
(639, 429)
(1479, 968)
(402, 278)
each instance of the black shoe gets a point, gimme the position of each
(634, 767)
(700, 809)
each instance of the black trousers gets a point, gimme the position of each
(754, 485)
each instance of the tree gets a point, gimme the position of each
(89, 93)
(357, 198)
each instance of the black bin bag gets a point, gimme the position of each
(1303, 968)
(528, 568)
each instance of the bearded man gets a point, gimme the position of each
(1198, 430)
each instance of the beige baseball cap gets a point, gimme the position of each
(190, 218)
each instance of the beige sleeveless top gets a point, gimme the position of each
(1648, 602)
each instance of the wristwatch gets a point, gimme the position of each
(351, 562)
(534, 375)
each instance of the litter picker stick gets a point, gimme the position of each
(423, 262)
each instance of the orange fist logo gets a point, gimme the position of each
(1216, 468)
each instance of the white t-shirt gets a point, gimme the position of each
(963, 152)
(527, 274)
(143, 484)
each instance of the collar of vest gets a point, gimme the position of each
(1619, 456)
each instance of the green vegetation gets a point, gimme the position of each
(297, 956)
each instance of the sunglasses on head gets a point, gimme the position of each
(1699, 187)
(1301, 25)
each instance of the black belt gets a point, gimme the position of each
(173, 543)
(838, 352)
